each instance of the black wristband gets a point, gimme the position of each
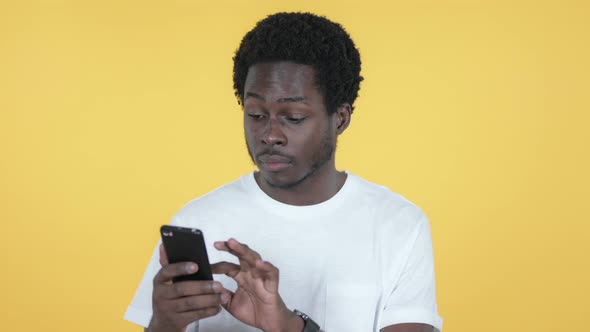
(308, 324)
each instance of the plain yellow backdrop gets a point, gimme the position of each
(114, 114)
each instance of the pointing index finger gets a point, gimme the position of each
(240, 250)
(221, 245)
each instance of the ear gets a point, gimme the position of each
(342, 117)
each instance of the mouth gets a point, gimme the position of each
(273, 163)
(274, 167)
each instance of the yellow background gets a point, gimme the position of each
(113, 114)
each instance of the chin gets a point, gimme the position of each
(282, 181)
(276, 180)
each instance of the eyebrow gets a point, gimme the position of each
(297, 99)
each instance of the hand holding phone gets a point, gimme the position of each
(197, 296)
(183, 244)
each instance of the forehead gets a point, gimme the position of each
(281, 79)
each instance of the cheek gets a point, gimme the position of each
(306, 141)
(250, 134)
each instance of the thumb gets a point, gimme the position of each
(229, 295)
(163, 256)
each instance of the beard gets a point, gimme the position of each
(323, 154)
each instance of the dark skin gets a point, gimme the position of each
(291, 138)
(285, 121)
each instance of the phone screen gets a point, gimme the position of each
(183, 244)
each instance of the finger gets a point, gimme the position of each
(226, 298)
(270, 274)
(163, 256)
(264, 270)
(229, 269)
(267, 267)
(221, 245)
(243, 252)
(235, 248)
(191, 288)
(193, 303)
(242, 249)
(247, 256)
(245, 264)
(168, 272)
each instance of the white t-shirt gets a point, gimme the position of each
(359, 261)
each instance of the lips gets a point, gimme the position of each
(273, 158)
(273, 162)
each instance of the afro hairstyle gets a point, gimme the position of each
(307, 39)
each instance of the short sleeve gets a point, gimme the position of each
(413, 299)
(140, 309)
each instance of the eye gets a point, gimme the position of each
(255, 116)
(295, 120)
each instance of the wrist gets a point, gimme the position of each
(308, 324)
(289, 322)
(156, 326)
(294, 323)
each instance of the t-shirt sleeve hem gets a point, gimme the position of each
(411, 315)
(138, 316)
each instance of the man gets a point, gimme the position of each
(352, 256)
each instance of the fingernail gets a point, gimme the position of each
(216, 287)
(191, 267)
(224, 298)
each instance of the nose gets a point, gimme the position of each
(273, 133)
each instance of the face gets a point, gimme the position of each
(289, 134)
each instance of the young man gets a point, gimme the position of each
(352, 256)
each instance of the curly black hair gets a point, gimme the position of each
(308, 39)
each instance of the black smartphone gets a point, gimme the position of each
(183, 244)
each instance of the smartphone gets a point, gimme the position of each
(183, 244)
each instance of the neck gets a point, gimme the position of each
(319, 187)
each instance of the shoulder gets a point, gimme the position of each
(384, 199)
(390, 208)
(215, 200)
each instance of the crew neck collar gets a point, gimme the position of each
(300, 211)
